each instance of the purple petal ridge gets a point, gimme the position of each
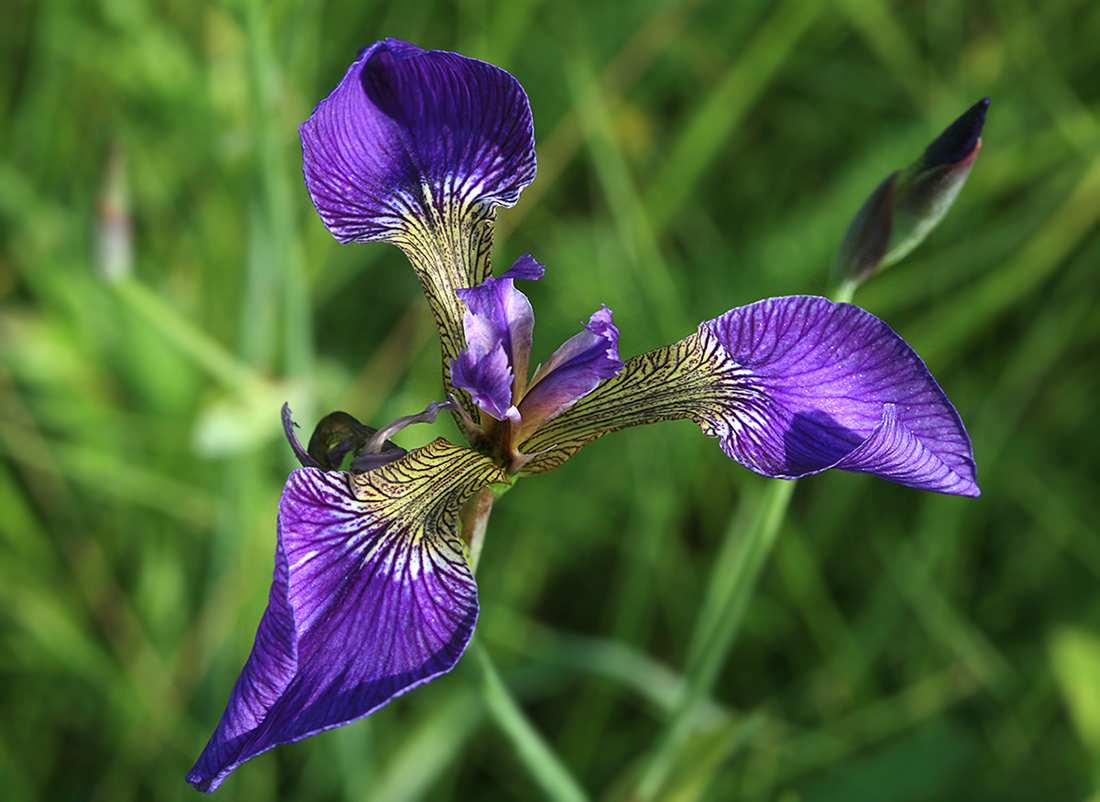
(371, 597)
(828, 385)
(408, 133)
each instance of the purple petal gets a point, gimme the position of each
(895, 449)
(498, 313)
(371, 597)
(572, 372)
(498, 325)
(827, 385)
(410, 134)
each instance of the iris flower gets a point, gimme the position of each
(373, 592)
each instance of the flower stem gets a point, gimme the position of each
(719, 623)
(475, 522)
(845, 292)
(732, 585)
(532, 750)
(474, 518)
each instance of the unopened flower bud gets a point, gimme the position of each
(905, 207)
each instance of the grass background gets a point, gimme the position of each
(694, 156)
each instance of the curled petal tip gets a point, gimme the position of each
(397, 48)
(303, 456)
(527, 268)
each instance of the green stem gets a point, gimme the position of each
(474, 518)
(730, 595)
(477, 522)
(845, 292)
(732, 586)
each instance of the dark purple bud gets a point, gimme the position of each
(868, 236)
(904, 209)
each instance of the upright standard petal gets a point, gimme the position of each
(572, 372)
(487, 376)
(372, 596)
(498, 324)
(419, 148)
(790, 386)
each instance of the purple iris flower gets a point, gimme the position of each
(373, 593)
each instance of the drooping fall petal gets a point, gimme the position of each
(419, 148)
(831, 385)
(790, 386)
(371, 596)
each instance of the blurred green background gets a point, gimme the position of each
(165, 285)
